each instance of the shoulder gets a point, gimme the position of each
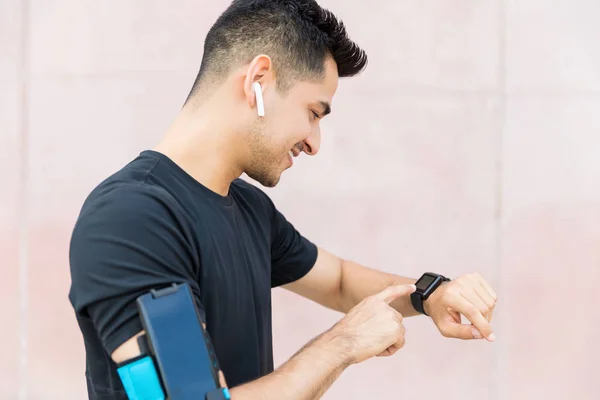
(117, 204)
(130, 225)
(115, 195)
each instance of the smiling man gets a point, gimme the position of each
(179, 213)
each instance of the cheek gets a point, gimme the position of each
(288, 127)
(302, 126)
(291, 129)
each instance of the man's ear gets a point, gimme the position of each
(259, 70)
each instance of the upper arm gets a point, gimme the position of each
(299, 265)
(322, 283)
(126, 243)
(128, 350)
(292, 254)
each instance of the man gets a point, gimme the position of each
(179, 213)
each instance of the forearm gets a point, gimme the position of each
(359, 282)
(306, 376)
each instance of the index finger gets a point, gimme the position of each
(474, 316)
(391, 293)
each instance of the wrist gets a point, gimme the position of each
(337, 346)
(430, 303)
(424, 297)
(427, 306)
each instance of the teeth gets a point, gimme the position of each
(291, 153)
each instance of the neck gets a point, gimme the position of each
(204, 148)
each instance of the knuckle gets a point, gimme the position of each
(399, 325)
(399, 336)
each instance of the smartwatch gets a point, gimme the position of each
(426, 285)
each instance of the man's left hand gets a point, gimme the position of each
(469, 295)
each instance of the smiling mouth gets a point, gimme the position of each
(293, 153)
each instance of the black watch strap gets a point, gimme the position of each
(417, 302)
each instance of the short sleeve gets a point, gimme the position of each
(127, 241)
(292, 255)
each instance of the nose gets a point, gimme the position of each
(312, 143)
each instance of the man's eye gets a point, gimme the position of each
(315, 114)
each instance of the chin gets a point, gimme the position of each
(266, 180)
(271, 182)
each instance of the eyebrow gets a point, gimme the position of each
(326, 108)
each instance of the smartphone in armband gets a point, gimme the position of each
(175, 340)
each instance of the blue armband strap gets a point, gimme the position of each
(140, 380)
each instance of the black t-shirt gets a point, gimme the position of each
(151, 224)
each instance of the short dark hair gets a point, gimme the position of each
(296, 34)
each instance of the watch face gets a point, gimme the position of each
(423, 283)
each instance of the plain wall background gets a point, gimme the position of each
(471, 143)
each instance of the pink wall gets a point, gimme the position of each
(472, 143)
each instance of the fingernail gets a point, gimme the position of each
(476, 334)
(492, 337)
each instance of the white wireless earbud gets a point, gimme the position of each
(260, 105)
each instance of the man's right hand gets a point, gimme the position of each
(373, 327)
